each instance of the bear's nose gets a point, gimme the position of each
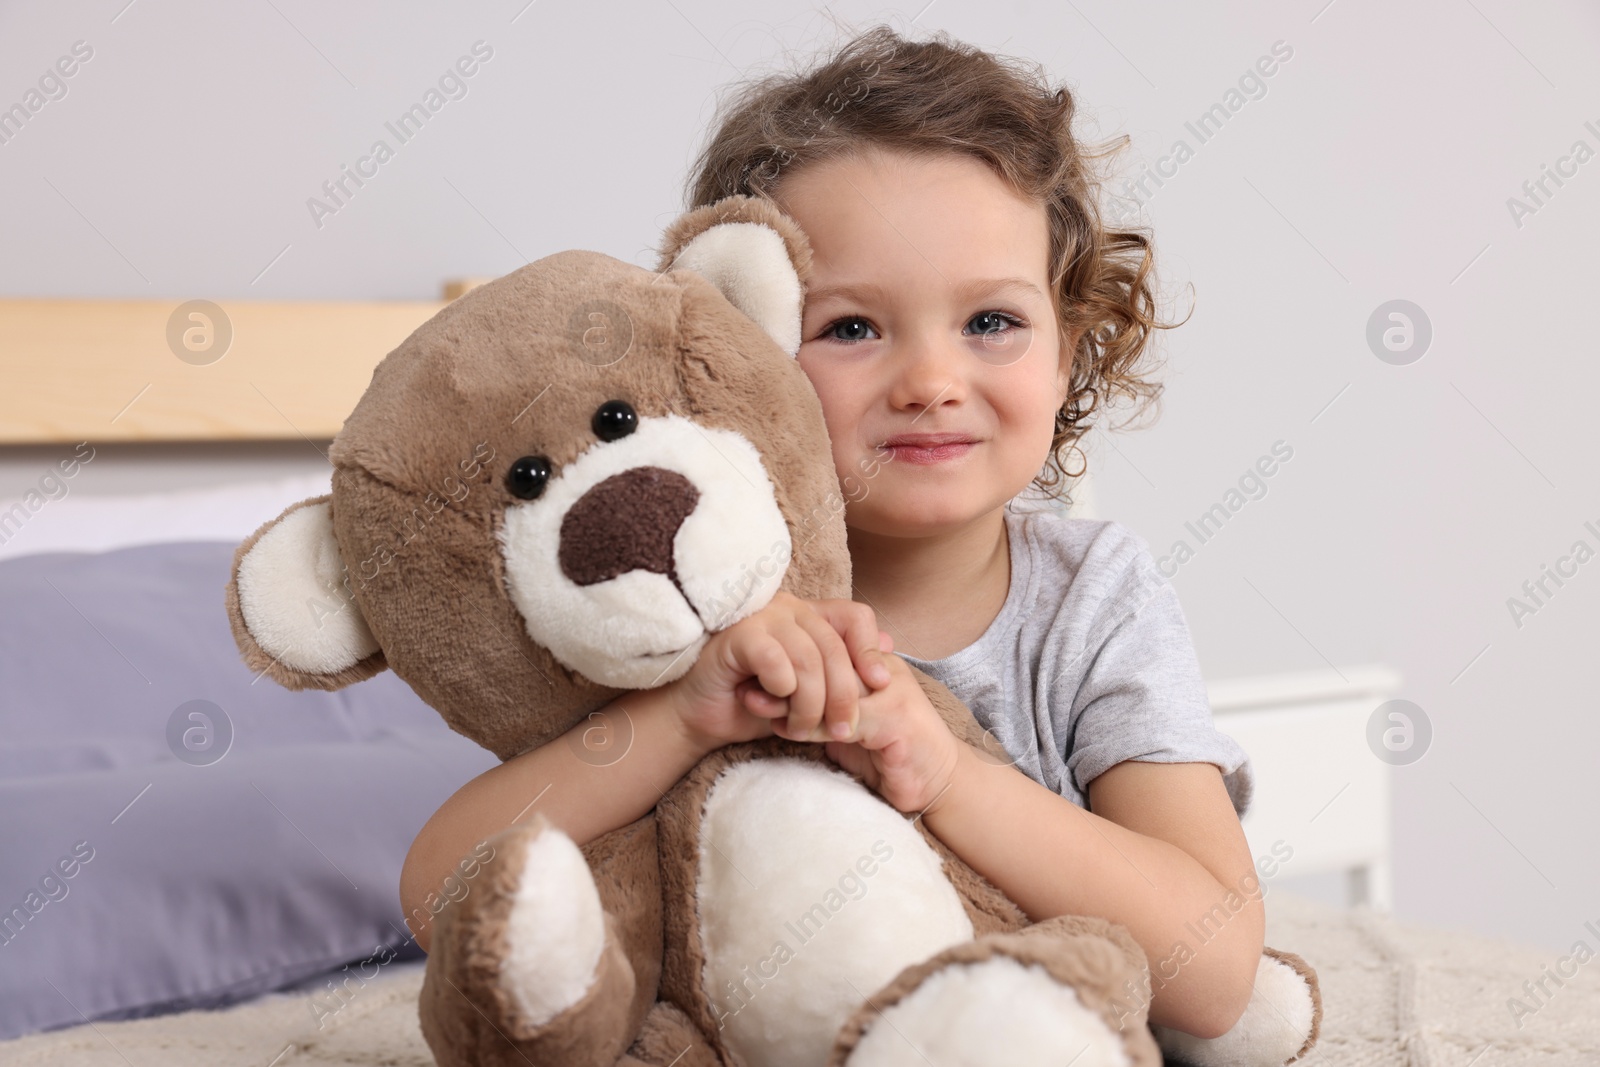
(627, 522)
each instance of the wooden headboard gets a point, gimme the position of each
(170, 370)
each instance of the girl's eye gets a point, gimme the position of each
(989, 322)
(854, 322)
(996, 322)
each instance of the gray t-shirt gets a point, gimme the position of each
(1089, 662)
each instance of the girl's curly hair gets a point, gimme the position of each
(924, 98)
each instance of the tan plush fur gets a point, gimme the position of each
(512, 369)
(1083, 952)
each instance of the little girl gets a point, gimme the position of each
(966, 313)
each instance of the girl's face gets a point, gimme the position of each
(929, 334)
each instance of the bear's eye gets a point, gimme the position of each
(614, 419)
(527, 477)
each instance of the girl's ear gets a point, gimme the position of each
(757, 256)
(290, 605)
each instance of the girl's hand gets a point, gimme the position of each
(900, 747)
(791, 648)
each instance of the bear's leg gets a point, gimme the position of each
(1279, 1025)
(1071, 989)
(541, 960)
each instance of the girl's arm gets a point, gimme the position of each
(582, 797)
(810, 650)
(1165, 857)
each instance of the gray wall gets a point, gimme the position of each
(1376, 165)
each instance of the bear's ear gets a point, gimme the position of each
(755, 254)
(290, 606)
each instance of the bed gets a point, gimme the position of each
(1393, 994)
(234, 848)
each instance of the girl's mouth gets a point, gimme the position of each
(927, 449)
(929, 454)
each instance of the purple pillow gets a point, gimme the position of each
(176, 833)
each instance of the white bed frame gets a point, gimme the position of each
(1319, 790)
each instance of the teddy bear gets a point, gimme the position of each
(552, 493)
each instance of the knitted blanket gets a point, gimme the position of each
(1393, 993)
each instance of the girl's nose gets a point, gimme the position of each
(928, 372)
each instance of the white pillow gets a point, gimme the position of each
(84, 523)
